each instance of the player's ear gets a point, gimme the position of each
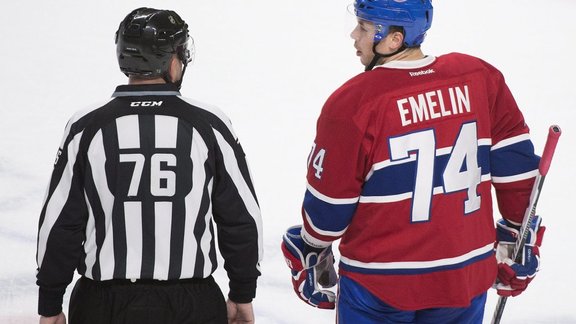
(397, 39)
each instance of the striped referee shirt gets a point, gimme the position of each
(137, 186)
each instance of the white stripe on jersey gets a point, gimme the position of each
(514, 178)
(166, 131)
(198, 154)
(510, 141)
(97, 158)
(330, 200)
(59, 197)
(311, 240)
(162, 231)
(90, 243)
(387, 199)
(128, 132)
(419, 264)
(207, 237)
(133, 221)
(231, 165)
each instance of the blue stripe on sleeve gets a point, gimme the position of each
(514, 159)
(326, 216)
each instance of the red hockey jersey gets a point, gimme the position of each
(401, 171)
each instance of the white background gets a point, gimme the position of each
(270, 65)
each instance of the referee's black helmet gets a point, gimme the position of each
(146, 40)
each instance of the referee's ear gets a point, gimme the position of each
(175, 71)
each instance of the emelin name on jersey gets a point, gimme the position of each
(432, 105)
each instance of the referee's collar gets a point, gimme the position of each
(160, 89)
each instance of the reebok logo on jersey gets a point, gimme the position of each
(146, 104)
(422, 72)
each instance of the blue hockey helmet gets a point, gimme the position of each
(415, 16)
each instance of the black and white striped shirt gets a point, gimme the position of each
(136, 186)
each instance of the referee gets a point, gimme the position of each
(142, 187)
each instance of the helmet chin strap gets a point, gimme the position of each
(378, 56)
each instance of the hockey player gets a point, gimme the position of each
(401, 172)
(136, 189)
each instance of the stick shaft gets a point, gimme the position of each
(554, 133)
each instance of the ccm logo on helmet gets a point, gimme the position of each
(146, 104)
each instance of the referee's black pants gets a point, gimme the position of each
(147, 301)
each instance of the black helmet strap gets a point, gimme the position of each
(378, 56)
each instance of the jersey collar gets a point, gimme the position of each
(415, 64)
(146, 90)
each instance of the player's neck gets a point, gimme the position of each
(137, 81)
(409, 54)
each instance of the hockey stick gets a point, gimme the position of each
(553, 135)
